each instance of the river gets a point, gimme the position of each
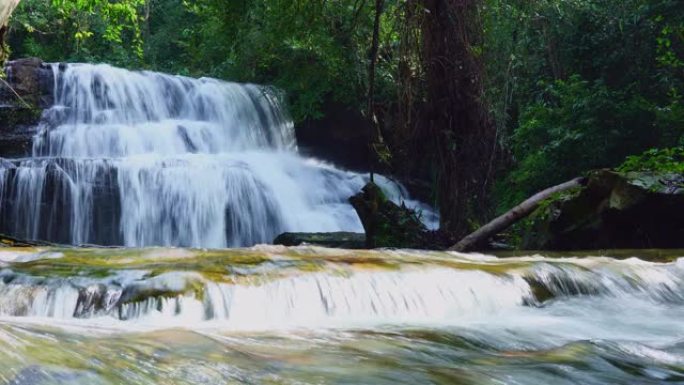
(307, 315)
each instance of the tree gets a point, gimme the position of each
(458, 120)
(6, 9)
(78, 30)
(371, 79)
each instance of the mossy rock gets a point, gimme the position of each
(14, 116)
(341, 239)
(386, 223)
(614, 210)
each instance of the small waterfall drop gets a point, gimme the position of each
(274, 288)
(309, 315)
(143, 158)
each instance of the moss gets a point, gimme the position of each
(387, 224)
(663, 161)
(530, 229)
(136, 293)
(236, 266)
(614, 210)
(656, 182)
(651, 255)
(345, 240)
(11, 117)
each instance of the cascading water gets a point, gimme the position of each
(318, 316)
(142, 158)
(139, 158)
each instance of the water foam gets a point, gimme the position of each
(143, 158)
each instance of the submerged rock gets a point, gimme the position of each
(614, 210)
(342, 239)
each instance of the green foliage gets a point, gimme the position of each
(317, 51)
(572, 84)
(667, 160)
(581, 84)
(82, 30)
(579, 125)
(533, 226)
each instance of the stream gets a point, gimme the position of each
(307, 315)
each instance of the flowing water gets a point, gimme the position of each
(148, 159)
(141, 158)
(275, 315)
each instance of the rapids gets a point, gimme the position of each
(275, 315)
(149, 159)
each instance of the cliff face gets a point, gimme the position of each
(26, 91)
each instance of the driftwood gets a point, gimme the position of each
(506, 220)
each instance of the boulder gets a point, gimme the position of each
(342, 240)
(32, 80)
(614, 210)
(18, 125)
(388, 224)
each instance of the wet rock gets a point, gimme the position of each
(26, 92)
(55, 197)
(8, 241)
(342, 240)
(614, 210)
(32, 80)
(387, 224)
(91, 300)
(17, 128)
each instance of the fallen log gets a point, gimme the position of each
(504, 221)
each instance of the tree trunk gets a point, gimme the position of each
(371, 84)
(6, 9)
(506, 220)
(459, 122)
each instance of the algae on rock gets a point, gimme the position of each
(614, 210)
(387, 224)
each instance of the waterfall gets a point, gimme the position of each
(275, 288)
(310, 300)
(143, 158)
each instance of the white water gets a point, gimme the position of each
(309, 300)
(400, 317)
(578, 290)
(142, 158)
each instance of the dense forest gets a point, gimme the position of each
(475, 105)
